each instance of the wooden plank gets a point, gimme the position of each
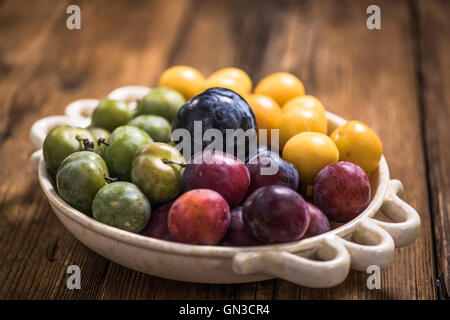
(370, 76)
(433, 30)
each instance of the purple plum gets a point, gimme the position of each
(157, 225)
(318, 222)
(276, 214)
(341, 191)
(218, 171)
(269, 169)
(237, 234)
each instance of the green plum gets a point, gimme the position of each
(79, 178)
(102, 137)
(123, 144)
(122, 205)
(158, 128)
(162, 102)
(64, 140)
(110, 114)
(158, 171)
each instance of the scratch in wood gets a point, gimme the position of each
(50, 251)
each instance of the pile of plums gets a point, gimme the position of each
(227, 202)
(125, 171)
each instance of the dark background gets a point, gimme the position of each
(395, 79)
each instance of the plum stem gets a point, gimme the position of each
(103, 141)
(87, 144)
(181, 164)
(111, 179)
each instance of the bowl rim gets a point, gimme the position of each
(150, 243)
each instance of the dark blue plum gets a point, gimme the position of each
(216, 108)
(284, 174)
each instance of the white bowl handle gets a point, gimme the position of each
(81, 110)
(303, 271)
(369, 245)
(77, 114)
(129, 94)
(35, 158)
(38, 132)
(406, 226)
(41, 128)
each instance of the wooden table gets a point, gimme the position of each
(395, 79)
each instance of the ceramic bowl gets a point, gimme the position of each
(319, 262)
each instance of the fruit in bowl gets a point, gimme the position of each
(164, 102)
(218, 171)
(307, 102)
(199, 216)
(300, 120)
(80, 176)
(276, 214)
(269, 169)
(359, 144)
(237, 234)
(281, 86)
(193, 193)
(64, 140)
(237, 79)
(309, 152)
(154, 172)
(110, 114)
(122, 146)
(102, 137)
(219, 109)
(262, 148)
(318, 222)
(122, 205)
(342, 191)
(267, 113)
(157, 127)
(157, 225)
(184, 79)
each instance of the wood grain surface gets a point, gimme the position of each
(434, 79)
(395, 79)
